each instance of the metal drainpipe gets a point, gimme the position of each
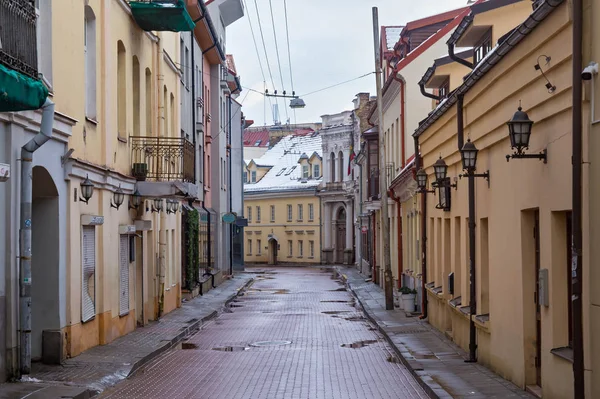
(27, 151)
(192, 45)
(230, 187)
(162, 233)
(399, 234)
(428, 95)
(577, 272)
(423, 238)
(454, 57)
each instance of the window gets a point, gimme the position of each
(121, 90)
(311, 249)
(135, 77)
(444, 89)
(341, 166)
(305, 171)
(316, 171)
(300, 212)
(88, 272)
(289, 213)
(300, 248)
(280, 172)
(290, 248)
(148, 104)
(253, 176)
(311, 212)
(258, 247)
(332, 168)
(258, 214)
(482, 48)
(272, 213)
(290, 171)
(89, 49)
(249, 214)
(249, 247)
(245, 177)
(124, 274)
(257, 143)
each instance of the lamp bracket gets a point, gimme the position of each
(114, 206)
(84, 200)
(485, 175)
(543, 155)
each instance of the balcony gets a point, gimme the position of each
(20, 86)
(162, 15)
(162, 159)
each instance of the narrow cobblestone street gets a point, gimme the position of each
(328, 348)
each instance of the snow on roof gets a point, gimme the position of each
(285, 173)
(392, 35)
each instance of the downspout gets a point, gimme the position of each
(460, 121)
(428, 95)
(162, 233)
(230, 187)
(456, 58)
(577, 269)
(192, 45)
(27, 151)
(423, 238)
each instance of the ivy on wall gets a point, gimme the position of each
(191, 249)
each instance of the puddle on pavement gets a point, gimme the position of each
(355, 318)
(281, 292)
(188, 345)
(359, 344)
(231, 348)
(338, 301)
(271, 343)
(236, 306)
(337, 290)
(335, 311)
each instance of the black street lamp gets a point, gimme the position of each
(441, 169)
(87, 189)
(136, 198)
(422, 182)
(519, 130)
(118, 197)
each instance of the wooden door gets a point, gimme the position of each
(538, 315)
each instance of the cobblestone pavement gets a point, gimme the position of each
(105, 365)
(436, 360)
(333, 350)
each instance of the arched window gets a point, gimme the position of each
(148, 105)
(341, 165)
(135, 71)
(332, 168)
(89, 49)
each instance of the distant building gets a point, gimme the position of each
(257, 140)
(282, 209)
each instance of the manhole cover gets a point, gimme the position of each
(271, 343)
(358, 344)
(231, 348)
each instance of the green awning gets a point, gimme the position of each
(162, 15)
(19, 92)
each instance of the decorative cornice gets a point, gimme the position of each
(171, 64)
(101, 176)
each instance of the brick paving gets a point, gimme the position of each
(104, 366)
(308, 308)
(436, 360)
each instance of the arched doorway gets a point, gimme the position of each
(273, 248)
(45, 244)
(340, 236)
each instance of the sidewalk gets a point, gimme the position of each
(437, 362)
(103, 366)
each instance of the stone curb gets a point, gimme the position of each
(192, 328)
(433, 390)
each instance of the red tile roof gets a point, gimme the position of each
(251, 137)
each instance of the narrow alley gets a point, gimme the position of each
(294, 333)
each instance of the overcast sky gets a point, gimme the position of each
(331, 41)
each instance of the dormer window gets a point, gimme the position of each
(316, 171)
(483, 47)
(257, 143)
(245, 177)
(290, 171)
(280, 172)
(305, 171)
(444, 89)
(253, 176)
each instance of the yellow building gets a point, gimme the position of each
(122, 87)
(517, 305)
(283, 212)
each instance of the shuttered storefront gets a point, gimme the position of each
(124, 274)
(88, 265)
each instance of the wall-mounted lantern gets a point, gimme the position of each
(519, 129)
(422, 182)
(135, 200)
(87, 190)
(118, 197)
(469, 161)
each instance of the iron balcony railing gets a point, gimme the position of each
(18, 38)
(162, 159)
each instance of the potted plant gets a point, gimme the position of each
(408, 298)
(140, 171)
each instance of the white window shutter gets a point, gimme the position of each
(124, 275)
(88, 273)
